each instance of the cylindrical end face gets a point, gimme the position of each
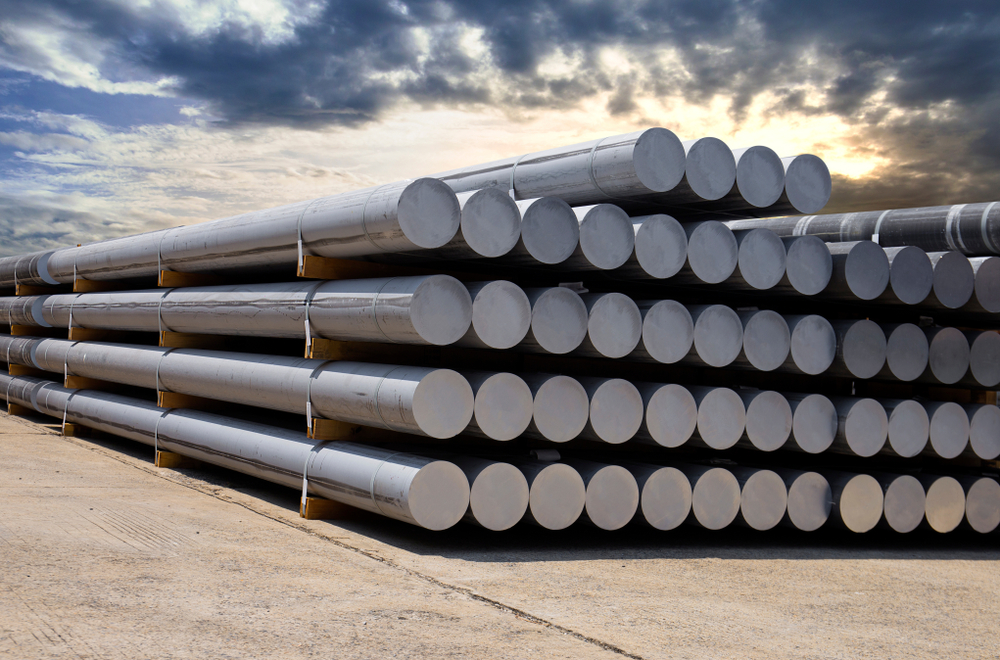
(658, 159)
(766, 340)
(946, 504)
(764, 500)
(715, 499)
(615, 325)
(718, 336)
(721, 418)
(808, 184)
(503, 406)
(809, 501)
(667, 331)
(949, 355)
(441, 310)
(501, 314)
(911, 275)
(813, 344)
(904, 504)
(666, 498)
(984, 359)
(982, 505)
(550, 230)
(867, 270)
(909, 429)
(672, 415)
(616, 411)
(760, 176)
(949, 430)
(860, 504)
(808, 264)
(661, 246)
(710, 168)
(612, 497)
(954, 280)
(607, 237)
(491, 222)
(429, 213)
(864, 349)
(561, 409)
(559, 320)
(866, 427)
(761, 258)
(906, 352)
(988, 284)
(443, 403)
(984, 432)
(438, 495)
(768, 421)
(499, 497)
(712, 252)
(814, 424)
(557, 497)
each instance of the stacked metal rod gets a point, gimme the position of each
(608, 333)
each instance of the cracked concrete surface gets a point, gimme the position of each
(103, 555)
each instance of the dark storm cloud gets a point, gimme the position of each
(936, 61)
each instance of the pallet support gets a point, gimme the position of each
(168, 459)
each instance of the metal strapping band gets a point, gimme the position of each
(983, 226)
(878, 226)
(308, 303)
(305, 471)
(159, 310)
(378, 388)
(156, 430)
(309, 397)
(364, 216)
(953, 213)
(65, 361)
(66, 407)
(159, 253)
(375, 315)
(9, 383)
(298, 232)
(513, 168)
(802, 226)
(593, 177)
(162, 355)
(371, 485)
(73, 302)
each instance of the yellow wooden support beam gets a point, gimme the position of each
(170, 339)
(168, 459)
(94, 286)
(19, 410)
(178, 400)
(74, 382)
(318, 508)
(31, 290)
(36, 331)
(21, 370)
(171, 279)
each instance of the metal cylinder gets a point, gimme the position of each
(607, 238)
(550, 232)
(665, 499)
(667, 331)
(808, 265)
(911, 275)
(615, 167)
(721, 416)
(904, 501)
(709, 172)
(906, 352)
(810, 499)
(498, 492)
(861, 349)
(558, 320)
(715, 495)
(909, 427)
(503, 404)
(556, 493)
(860, 270)
(23, 310)
(987, 290)
(954, 279)
(982, 504)
(814, 422)
(984, 359)
(862, 426)
(766, 340)
(807, 184)
(491, 222)
(763, 497)
(612, 493)
(812, 344)
(501, 315)
(948, 355)
(712, 253)
(26, 269)
(718, 334)
(761, 260)
(949, 435)
(561, 407)
(614, 325)
(760, 181)
(671, 414)
(945, 505)
(660, 247)
(616, 409)
(857, 500)
(984, 430)
(768, 419)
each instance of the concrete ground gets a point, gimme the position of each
(103, 555)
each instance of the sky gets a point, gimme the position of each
(123, 116)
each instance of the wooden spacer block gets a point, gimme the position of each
(18, 410)
(21, 370)
(36, 331)
(984, 396)
(321, 428)
(75, 430)
(168, 459)
(318, 508)
(326, 268)
(330, 349)
(94, 286)
(31, 290)
(169, 339)
(172, 279)
(73, 382)
(178, 400)
(96, 334)
(991, 464)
